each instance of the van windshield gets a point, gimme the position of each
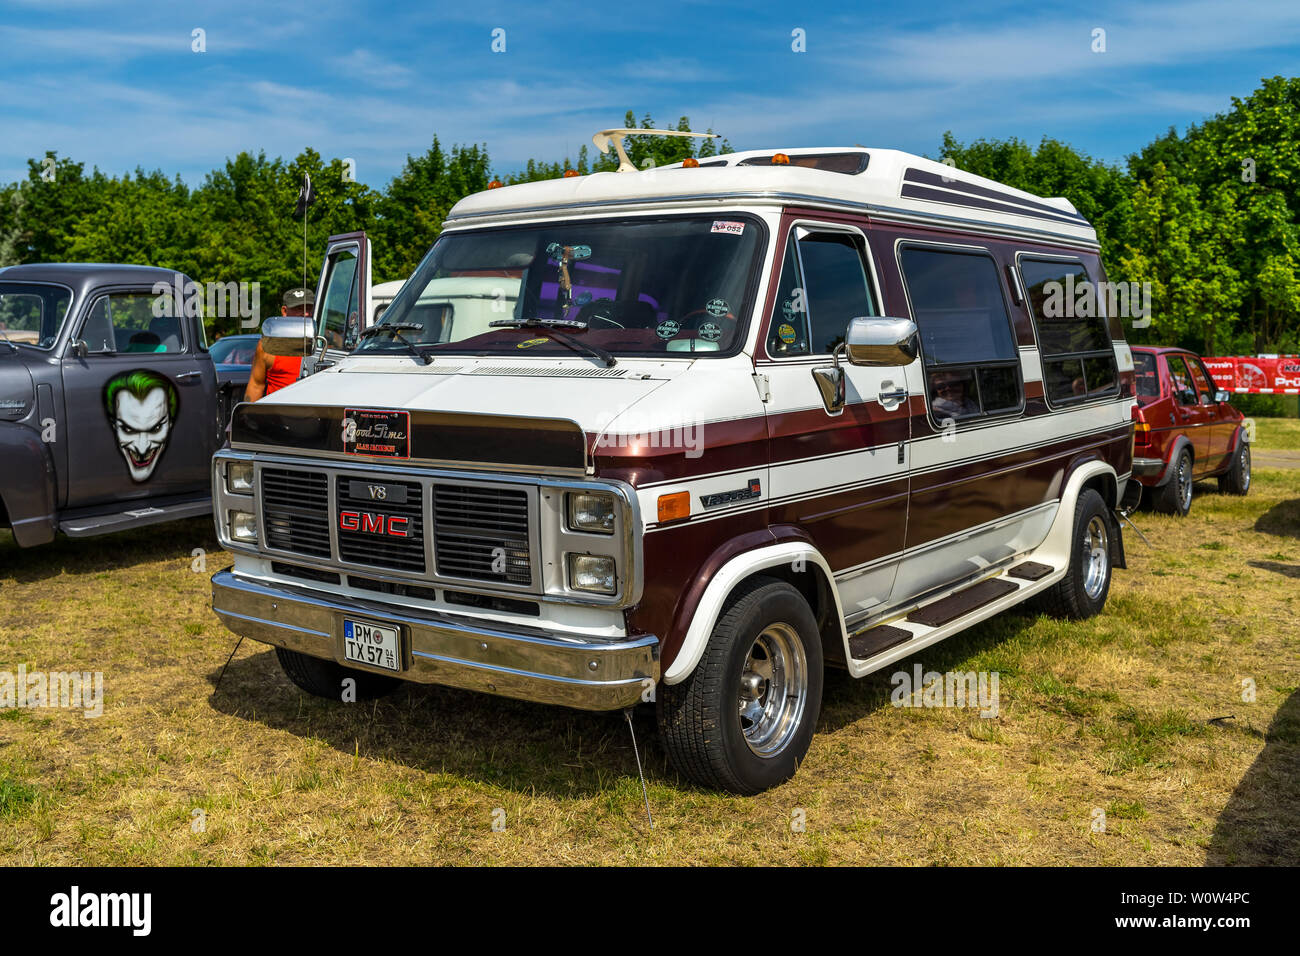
(678, 287)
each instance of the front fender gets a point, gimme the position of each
(705, 613)
(27, 487)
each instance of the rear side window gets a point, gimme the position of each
(823, 286)
(972, 362)
(1078, 360)
(1148, 379)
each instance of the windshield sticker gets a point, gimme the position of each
(666, 330)
(786, 333)
(710, 331)
(582, 298)
(787, 310)
(717, 308)
(141, 407)
(730, 228)
(529, 343)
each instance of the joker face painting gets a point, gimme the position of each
(141, 405)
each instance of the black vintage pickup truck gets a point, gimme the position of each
(108, 401)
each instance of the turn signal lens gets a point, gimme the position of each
(675, 506)
(780, 159)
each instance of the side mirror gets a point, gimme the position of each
(881, 342)
(288, 335)
(80, 349)
(1222, 395)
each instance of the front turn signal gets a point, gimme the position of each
(674, 507)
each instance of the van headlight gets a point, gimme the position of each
(593, 572)
(243, 526)
(591, 512)
(239, 477)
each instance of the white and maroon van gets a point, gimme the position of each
(691, 435)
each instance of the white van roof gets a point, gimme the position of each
(893, 186)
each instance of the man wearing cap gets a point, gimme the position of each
(272, 372)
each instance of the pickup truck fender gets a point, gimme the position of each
(27, 489)
(705, 614)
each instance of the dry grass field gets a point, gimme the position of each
(1137, 714)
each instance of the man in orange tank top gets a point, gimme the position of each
(272, 372)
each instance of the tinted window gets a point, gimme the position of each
(1148, 381)
(972, 362)
(820, 291)
(1078, 360)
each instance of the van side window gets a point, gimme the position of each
(1078, 359)
(823, 286)
(972, 362)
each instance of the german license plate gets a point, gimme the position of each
(372, 644)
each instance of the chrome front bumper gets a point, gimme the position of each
(528, 663)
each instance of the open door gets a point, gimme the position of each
(342, 300)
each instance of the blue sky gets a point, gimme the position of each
(117, 85)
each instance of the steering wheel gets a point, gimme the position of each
(603, 318)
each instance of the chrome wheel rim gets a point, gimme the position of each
(773, 690)
(1096, 556)
(1184, 479)
(1245, 467)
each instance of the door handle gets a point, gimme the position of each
(897, 395)
(189, 374)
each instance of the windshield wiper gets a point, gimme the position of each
(553, 326)
(397, 328)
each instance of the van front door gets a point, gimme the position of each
(839, 470)
(342, 299)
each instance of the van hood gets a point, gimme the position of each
(465, 412)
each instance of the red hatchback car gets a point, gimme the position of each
(1185, 430)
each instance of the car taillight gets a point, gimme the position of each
(1141, 432)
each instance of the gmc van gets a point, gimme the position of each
(691, 435)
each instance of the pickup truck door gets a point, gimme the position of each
(139, 398)
(839, 463)
(342, 300)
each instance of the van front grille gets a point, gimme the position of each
(481, 534)
(371, 535)
(295, 510)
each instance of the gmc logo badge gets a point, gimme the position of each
(369, 523)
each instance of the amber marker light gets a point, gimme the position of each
(570, 172)
(780, 159)
(674, 507)
(690, 162)
(495, 184)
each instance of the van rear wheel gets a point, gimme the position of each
(325, 678)
(744, 718)
(1083, 591)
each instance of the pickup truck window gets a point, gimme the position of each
(126, 322)
(679, 286)
(31, 313)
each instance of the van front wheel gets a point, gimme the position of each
(744, 718)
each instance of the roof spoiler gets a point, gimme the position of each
(605, 137)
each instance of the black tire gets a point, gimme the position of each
(701, 724)
(1077, 595)
(1236, 480)
(1174, 497)
(325, 678)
